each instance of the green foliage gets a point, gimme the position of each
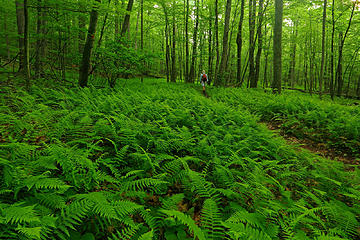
(159, 162)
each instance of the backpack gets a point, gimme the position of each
(204, 78)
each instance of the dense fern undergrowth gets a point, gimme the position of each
(159, 161)
(335, 124)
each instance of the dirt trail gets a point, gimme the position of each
(320, 149)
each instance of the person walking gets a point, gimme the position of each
(203, 80)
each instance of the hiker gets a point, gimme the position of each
(203, 80)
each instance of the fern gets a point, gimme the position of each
(186, 220)
(211, 219)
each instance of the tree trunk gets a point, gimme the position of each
(259, 51)
(26, 45)
(277, 45)
(85, 63)
(321, 79)
(293, 56)
(224, 56)
(358, 88)
(20, 27)
(338, 74)
(126, 23)
(341, 47)
(252, 22)
(39, 31)
(6, 37)
(137, 30)
(332, 51)
(210, 61)
(217, 41)
(142, 34)
(187, 43)
(239, 43)
(194, 55)
(167, 54)
(82, 32)
(173, 50)
(117, 19)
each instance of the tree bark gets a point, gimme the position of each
(332, 51)
(117, 18)
(321, 79)
(167, 47)
(194, 55)
(6, 38)
(85, 63)
(39, 31)
(217, 41)
(20, 27)
(82, 32)
(173, 50)
(260, 42)
(277, 45)
(293, 56)
(142, 33)
(224, 56)
(26, 44)
(210, 60)
(341, 47)
(239, 43)
(126, 23)
(187, 55)
(252, 23)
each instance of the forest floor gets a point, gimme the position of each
(317, 148)
(162, 161)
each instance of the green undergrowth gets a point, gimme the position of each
(334, 124)
(159, 161)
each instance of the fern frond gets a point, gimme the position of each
(20, 214)
(186, 220)
(211, 219)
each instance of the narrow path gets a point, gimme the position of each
(317, 148)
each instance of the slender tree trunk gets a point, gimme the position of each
(137, 29)
(187, 55)
(142, 34)
(117, 19)
(239, 43)
(167, 54)
(6, 37)
(278, 45)
(338, 73)
(321, 79)
(194, 55)
(39, 31)
(85, 63)
(260, 42)
(82, 31)
(224, 56)
(126, 23)
(266, 59)
(20, 27)
(173, 50)
(210, 61)
(332, 51)
(217, 42)
(252, 23)
(341, 47)
(26, 44)
(293, 56)
(358, 88)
